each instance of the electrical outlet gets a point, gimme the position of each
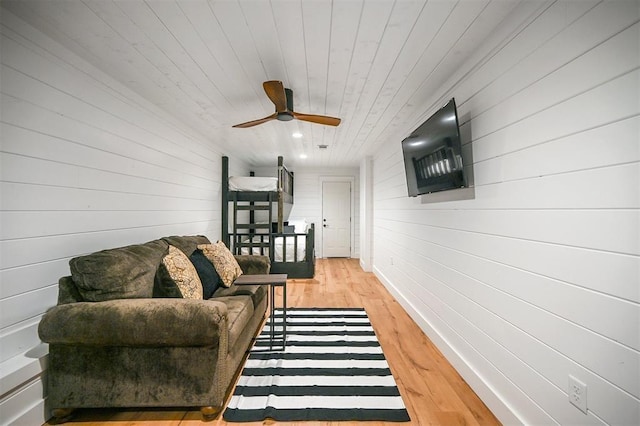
(578, 393)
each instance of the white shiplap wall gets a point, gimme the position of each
(366, 215)
(533, 275)
(308, 198)
(86, 165)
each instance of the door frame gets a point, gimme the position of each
(352, 183)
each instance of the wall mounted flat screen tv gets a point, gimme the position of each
(433, 154)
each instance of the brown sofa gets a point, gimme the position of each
(113, 344)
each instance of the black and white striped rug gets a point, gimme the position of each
(332, 369)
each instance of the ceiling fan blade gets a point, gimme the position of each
(275, 91)
(319, 119)
(256, 122)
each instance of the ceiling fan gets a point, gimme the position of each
(283, 100)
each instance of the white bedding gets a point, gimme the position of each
(253, 183)
(278, 255)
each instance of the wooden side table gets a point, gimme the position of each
(273, 281)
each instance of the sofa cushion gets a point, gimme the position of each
(187, 243)
(239, 313)
(252, 264)
(135, 322)
(164, 286)
(68, 291)
(257, 292)
(224, 262)
(207, 273)
(183, 273)
(120, 273)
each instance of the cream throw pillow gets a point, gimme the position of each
(226, 265)
(183, 273)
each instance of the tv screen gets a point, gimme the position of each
(433, 154)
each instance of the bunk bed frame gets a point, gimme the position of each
(260, 237)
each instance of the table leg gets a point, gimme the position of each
(272, 315)
(284, 315)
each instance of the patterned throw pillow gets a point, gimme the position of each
(226, 265)
(183, 273)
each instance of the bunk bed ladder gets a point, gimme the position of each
(243, 235)
(248, 230)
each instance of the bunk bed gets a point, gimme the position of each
(254, 221)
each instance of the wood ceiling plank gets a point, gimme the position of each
(372, 24)
(164, 24)
(256, 144)
(153, 73)
(376, 93)
(260, 20)
(290, 30)
(427, 25)
(222, 65)
(233, 24)
(191, 53)
(345, 22)
(408, 107)
(203, 62)
(289, 27)
(432, 73)
(89, 36)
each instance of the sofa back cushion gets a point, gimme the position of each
(68, 291)
(120, 273)
(187, 243)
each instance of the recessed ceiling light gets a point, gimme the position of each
(303, 156)
(297, 135)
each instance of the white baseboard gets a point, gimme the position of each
(492, 400)
(366, 266)
(22, 388)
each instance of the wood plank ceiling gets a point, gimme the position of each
(374, 63)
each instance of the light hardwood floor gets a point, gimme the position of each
(432, 390)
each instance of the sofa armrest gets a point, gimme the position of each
(253, 265)
(135, 322)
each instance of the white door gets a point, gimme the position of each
(336, 219)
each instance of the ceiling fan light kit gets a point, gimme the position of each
(282, 98)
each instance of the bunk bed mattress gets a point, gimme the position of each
(279, 249)
(253, 183)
